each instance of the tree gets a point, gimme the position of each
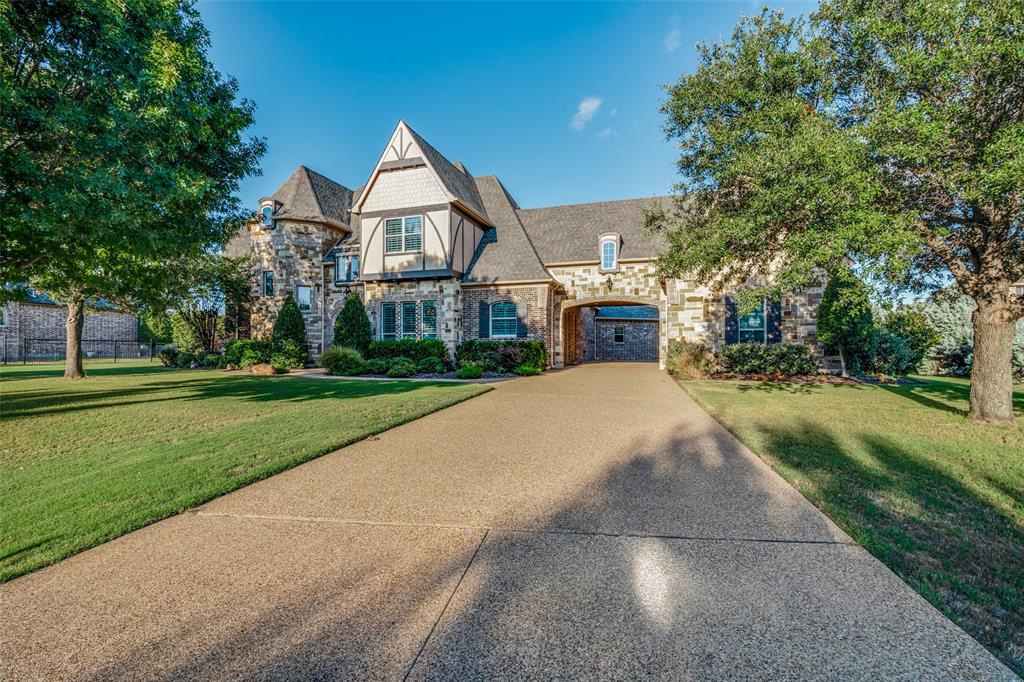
(912, 325)
(121, 148)
(886, 132)
(352, 327)
(208, 285)
(845, 321)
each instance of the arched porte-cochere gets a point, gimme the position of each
(611, 329)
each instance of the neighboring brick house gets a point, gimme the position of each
(436, 252)
(35, 326)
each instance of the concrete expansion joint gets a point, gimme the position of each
(447, 603)
(523, 531)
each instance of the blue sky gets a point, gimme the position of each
(559, 100)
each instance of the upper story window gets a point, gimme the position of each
(503, 319)
(753, 327)
(609, 252)
(267, 216)
(403, 234)
(268, 283)
(304, 297)
(346, 268)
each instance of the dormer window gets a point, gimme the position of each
(609, 251)
(267, 216)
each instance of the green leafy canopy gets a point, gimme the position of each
(889, 133)
(121, 146)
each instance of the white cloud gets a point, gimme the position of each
(672, 39)
(586, 110)
(607, 132)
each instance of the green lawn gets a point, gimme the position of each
(84, 462)
(901, 469)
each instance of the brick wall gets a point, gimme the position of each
(36, 321)
(639, 344)
(536, 298)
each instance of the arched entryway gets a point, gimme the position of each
(612, 329)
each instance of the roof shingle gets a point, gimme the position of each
(569, 234)
(457, 182)
(505, 253)
(308, 195)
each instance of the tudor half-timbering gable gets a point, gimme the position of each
(419, 215)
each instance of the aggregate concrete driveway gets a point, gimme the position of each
(587, 523)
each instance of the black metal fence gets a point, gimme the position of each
(30, 351)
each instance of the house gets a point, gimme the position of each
(33, 327)
(436, 252)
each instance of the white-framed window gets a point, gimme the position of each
(620, 333)
(304, 297)
(408, 319)
(346, 268)
(3, 316)
(388, 321)
(403, 235)
(428, 323)
(753, 327)
(503, 319)
(268, 282)
(267, 215)
(609, 253)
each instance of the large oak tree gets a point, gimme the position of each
(888, 133)
(121, 148)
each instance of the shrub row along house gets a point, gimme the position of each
(436, 252)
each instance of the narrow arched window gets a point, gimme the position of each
(267, 216)
(609, 252)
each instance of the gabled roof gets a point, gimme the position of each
(455, 180)
(505, 253)
(569, 234)
(308, 195)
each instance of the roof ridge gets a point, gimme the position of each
(598, 203)
(316, 197)
(515, 211)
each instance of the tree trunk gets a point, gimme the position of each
(992, 372)
(73, 357)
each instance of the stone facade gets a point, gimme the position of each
(43, 322)
(446, 292)
(293, 252)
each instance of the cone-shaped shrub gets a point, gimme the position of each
(352, 328)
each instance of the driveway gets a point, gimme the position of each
(592, 522)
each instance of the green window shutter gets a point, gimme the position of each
(521, 320)
(485, 320)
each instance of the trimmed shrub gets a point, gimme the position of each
(352, 326)
(246, 352)
(291, 354)
(689, 360)
(289, 325)
(222, 362)
(912, 325)
(391, 362)
(786, 359)
(375, 366)
(503, 355)
(281, 362)
(184, 360)
(211, 360)
(526, 370)
(401, 368)
(168, 356)
(343, 361)
(469, 370)
(430, 366)
(411, 349)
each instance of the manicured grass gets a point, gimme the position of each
(901, 469)
(84, 462)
